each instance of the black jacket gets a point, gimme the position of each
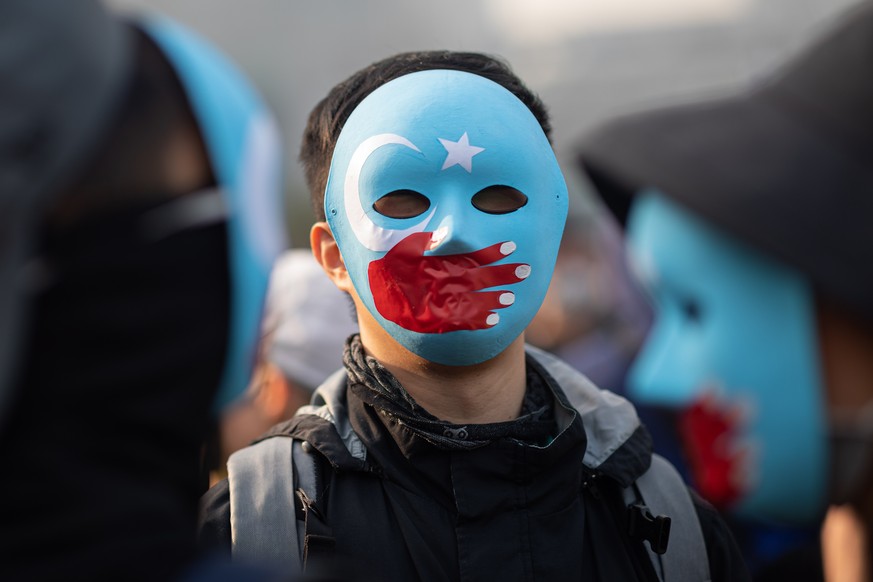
(412, 510)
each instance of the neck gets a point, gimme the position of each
(489, 392)
(846, 344)
(846, 546)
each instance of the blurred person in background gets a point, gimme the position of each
(749, 219)
(139, 196)
(593, 315)
(306, 323)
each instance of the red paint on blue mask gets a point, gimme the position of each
(441, 293)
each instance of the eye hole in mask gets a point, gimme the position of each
(402, 204)
(499, 199)
(691, 309)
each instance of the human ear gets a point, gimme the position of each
(327, 253)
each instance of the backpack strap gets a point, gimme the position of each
(314, 536)
(268, 514)
(263, 503)
(660, 508)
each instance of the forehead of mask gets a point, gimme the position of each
(734, 339)
(400, 138)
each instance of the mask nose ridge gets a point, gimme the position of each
(443, 235)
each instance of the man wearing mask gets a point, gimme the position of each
(140, 190)
(748, 219)
(446, 449)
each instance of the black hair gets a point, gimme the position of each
(327, 119)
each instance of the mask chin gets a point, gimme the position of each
(850, 438)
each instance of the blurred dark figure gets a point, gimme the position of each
(748, 220)
(139, 190)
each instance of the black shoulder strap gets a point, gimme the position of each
(314, 530)
(660, 509)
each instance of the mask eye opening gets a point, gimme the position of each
(402, 203)
(691, 308)
(498, 199)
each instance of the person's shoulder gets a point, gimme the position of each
(214, 519)
(598, 408)
(726, 563)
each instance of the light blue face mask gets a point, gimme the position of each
(242, 141)
(734, 349)
(455, 284)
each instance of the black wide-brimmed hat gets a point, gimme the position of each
(786, 166)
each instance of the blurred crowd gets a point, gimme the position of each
(154, 322)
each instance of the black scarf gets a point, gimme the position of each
(376, 386)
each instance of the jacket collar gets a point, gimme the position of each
(618, 445)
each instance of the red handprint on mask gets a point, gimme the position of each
(710, 428)
(441, 293)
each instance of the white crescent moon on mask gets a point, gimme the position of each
(369, 234)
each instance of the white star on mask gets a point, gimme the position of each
(460, 153)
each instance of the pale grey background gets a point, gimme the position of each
(588, 59)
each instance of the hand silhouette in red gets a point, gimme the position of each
(442, 293)
(710, 427)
